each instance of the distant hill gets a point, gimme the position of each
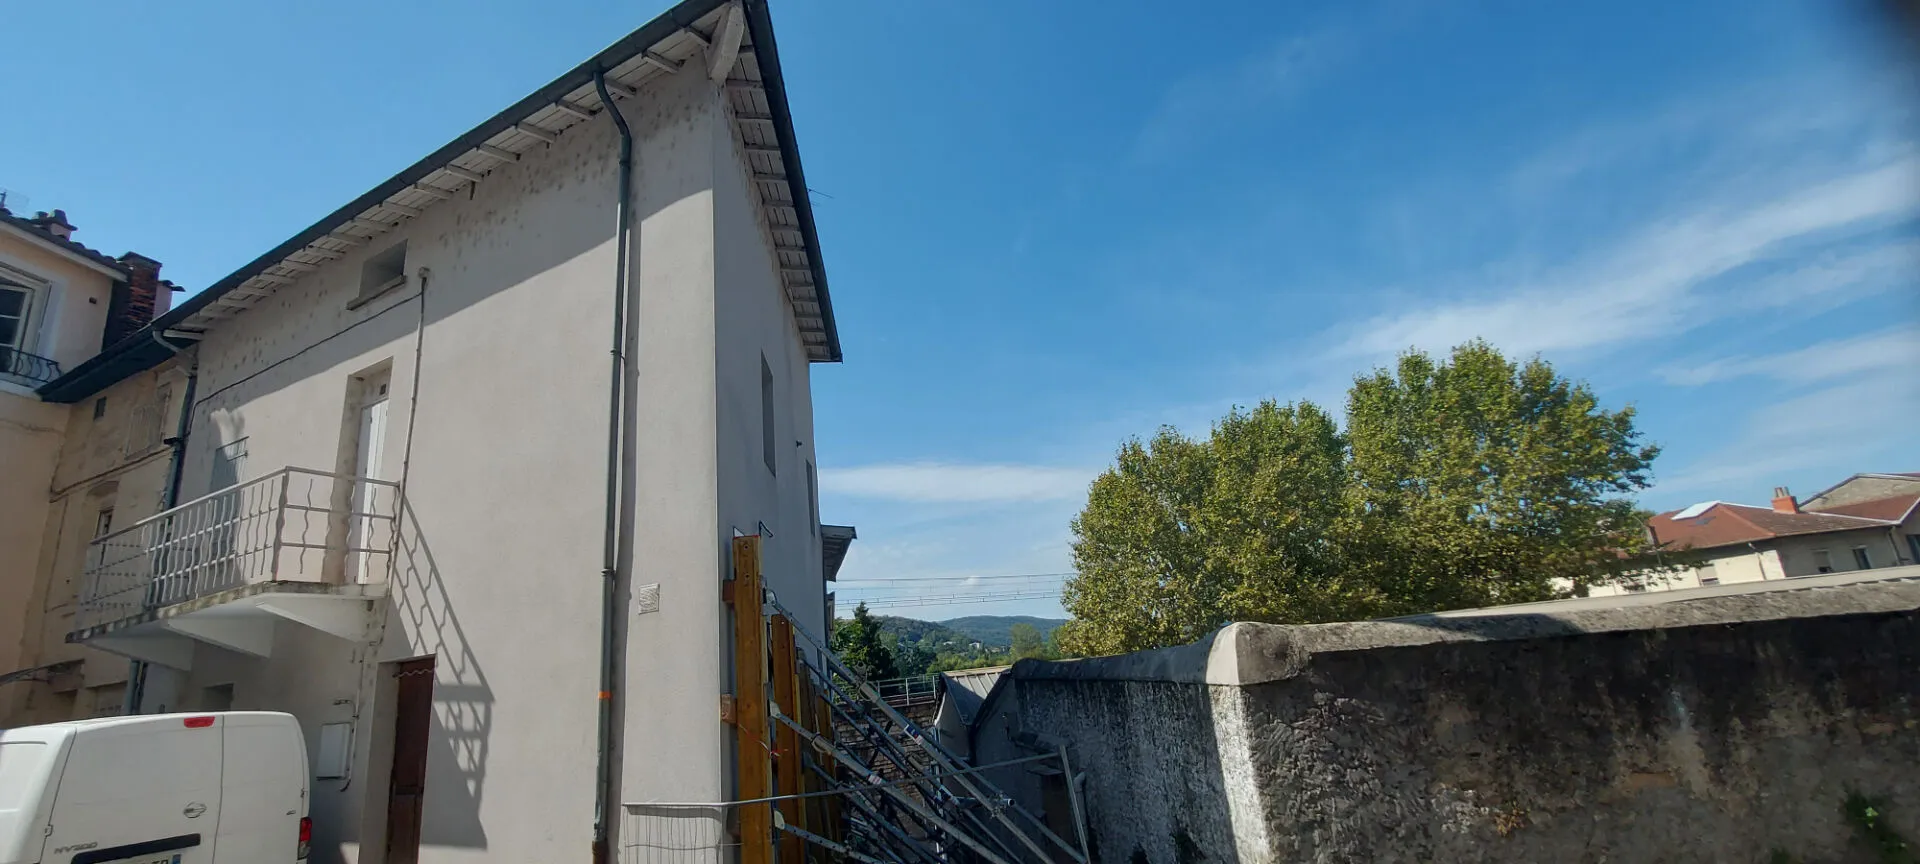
(927, 633)
(993, 631)
(996, 630)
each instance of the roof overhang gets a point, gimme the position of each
(676, 40)
(834, 542)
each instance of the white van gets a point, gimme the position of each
(228, 787)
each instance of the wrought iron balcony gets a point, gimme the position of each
(31, 370)
(259, 549)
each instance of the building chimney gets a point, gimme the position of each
(1783, 501)
(135, 302)
(54, 223)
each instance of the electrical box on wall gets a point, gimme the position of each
(335, 753)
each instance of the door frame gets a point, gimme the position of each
(382, 755)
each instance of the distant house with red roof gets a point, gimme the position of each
(1864, 522)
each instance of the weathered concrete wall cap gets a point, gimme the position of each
(1244, 653)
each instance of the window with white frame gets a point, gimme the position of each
(15, 301)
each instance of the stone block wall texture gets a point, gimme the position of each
(1720, 742)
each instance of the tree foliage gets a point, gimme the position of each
(1461, 482)
(858, 642)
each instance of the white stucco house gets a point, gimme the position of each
(1865, 522)
(464, 460)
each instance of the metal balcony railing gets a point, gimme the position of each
(294, 525)
(20, 367)
(913, 690)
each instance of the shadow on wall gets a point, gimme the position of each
(462, 699)
(675, 834)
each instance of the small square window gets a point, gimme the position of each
(381, 273)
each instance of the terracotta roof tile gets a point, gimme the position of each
(1731, 524)
(76, 248)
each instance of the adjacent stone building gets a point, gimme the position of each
(68, 471)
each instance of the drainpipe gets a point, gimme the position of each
(169, 496)
(610, 562)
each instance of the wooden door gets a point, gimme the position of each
(412, 719)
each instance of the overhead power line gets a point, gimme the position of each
(900, 590)
(956, 600)
(913, 580)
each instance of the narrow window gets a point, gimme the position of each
(1822, 561)
(1860, 559)
(766, 414)
(813, 501)
(103, 522)
(1913, 540)
(99, 407)
(13, 316)
(157, 429)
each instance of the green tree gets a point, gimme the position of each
(911, 658)
(1183, 535)
(1486, 482)
(1460, 482)
(1029, 644)
(857, 641)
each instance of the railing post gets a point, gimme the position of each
(279, 526)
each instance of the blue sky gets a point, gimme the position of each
(1051, 226)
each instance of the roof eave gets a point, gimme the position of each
(773, 80)
(139, 352)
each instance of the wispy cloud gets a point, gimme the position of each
(1826, 433)
(937, 482)
(1890, 349)
(1651, 283)
(1196, 106)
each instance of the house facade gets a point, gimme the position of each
(1865, 522)
(61, 302)
(463, 462)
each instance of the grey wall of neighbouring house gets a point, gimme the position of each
(1863, 488)
(1724, 728)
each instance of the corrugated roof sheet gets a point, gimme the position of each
(967, 690)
